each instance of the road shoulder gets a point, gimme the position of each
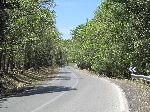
(121, 94)
(136, 93)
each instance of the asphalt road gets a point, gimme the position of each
(70, 91)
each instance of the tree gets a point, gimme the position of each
(30, 37)
(115, 39)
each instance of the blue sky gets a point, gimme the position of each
(71, 13)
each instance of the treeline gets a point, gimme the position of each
(118, 37)
(28, 36)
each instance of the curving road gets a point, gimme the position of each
(70, 91)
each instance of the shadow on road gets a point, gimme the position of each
(60, 72)
(38, 90)
(43, 90)
(62, 78)
(1, 101)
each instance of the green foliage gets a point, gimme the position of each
(29, 37)
(116, 38)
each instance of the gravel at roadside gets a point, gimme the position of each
(138, 94)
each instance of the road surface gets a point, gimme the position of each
(70, 91)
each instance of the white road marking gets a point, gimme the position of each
(57, 97)
(122, 97)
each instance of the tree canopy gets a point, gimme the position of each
(117, 38)
(28, 35)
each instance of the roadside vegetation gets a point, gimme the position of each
(117, 38)
(31, 47)
(30, 44)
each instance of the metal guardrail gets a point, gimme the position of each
(145, 79)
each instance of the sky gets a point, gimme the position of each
(71, 13)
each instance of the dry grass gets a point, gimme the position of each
(18, 81)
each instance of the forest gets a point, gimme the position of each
(92, 71)
(29, 39)
(117, 38)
